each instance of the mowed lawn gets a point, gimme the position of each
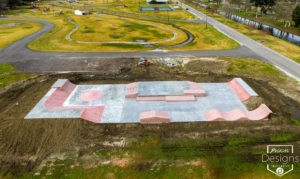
(111, 29)
(133, 7)
(206, 38)
(11, 30)
(92, 31)
(9, 75)
(100, 29)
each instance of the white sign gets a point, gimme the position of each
(280, 159)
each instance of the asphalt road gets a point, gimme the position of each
(27, 60)
(281, 62)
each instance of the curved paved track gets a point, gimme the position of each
(28, 60)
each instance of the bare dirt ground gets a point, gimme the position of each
(25, 143)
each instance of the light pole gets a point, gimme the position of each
(168, 17)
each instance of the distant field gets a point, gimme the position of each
(92, 30)
(133, 7)
(110, 28)
(11, 31)
(9, 75)
(206, 38)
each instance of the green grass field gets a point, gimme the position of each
(110, 28)
(9, 75)
(133, 7)
(11, 31)
(206, 39)
(104, 28)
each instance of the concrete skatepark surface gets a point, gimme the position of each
(108, 104)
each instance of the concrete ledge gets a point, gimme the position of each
(180, 98)
(198, 93)
(151, 98)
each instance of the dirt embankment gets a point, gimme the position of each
(25, 143)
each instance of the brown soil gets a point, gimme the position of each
(25, 143)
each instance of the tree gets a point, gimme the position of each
(13, 3)
(263, 4)
(247, 5)
(228, 11)
(296, 16)
(3, 5)
(283, 11)
(153, 2)
(236, 2)
(218, 2)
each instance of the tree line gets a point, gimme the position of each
(288, 10)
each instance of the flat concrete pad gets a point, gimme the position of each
(162, 88)
(219, 96)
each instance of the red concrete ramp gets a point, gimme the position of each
(132, 89)
(56, 100)
(93, 114)
(262, 112)
(239, 90)
(154, 117)
(195, 90)
(68, 86)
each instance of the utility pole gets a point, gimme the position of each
(168, 17)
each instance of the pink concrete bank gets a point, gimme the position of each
(262, 112)
(154, 117)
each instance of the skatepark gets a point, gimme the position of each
(149, 102)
